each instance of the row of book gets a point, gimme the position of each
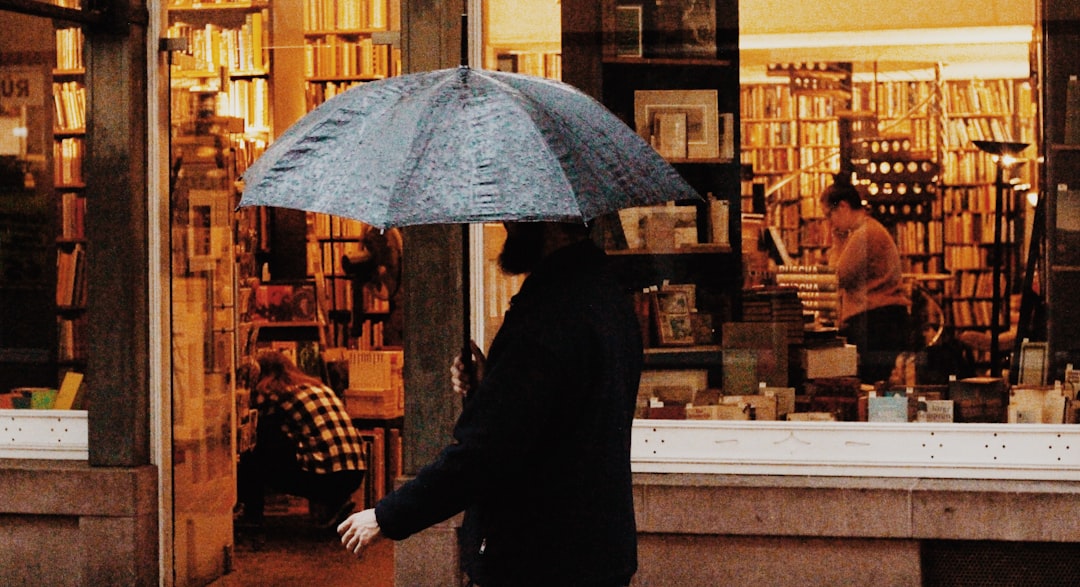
(346, 15)
(966, 256)
(976, 284)
(980, 97)
(325, 257)
(968, 199)
(538, 63)
(68, 156)
(766, 101)
(69, 44)
(968, 313)
(324, 226)
(69, 102)
(336, 56)
(212, 47)
(819, 134)
(317, 93)
(71, 276)
(71, 338)
(960, 132)
(968, 167)
(72, 215)
(248, 99)
(767, 134)
(969, 228)
(895, 98)
(918, 237)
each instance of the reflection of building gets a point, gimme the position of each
(762, 521)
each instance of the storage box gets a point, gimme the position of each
(979, 399)
(731, 411)
(834, 361)
(375, 370)
(386, 403)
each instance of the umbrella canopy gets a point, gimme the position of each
(460, 146)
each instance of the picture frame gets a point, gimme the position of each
(674, 326)
(628, 30)
(701, 120)
(688, 289)
(207, 233)
(673, 300)
(682, 29)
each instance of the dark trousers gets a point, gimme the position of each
(880, 334)
(272, 465)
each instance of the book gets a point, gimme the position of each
(1072, 111)
(891, 408)
(68, 398)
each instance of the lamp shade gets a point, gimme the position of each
(1000, 148)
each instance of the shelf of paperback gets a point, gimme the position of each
(348, 43)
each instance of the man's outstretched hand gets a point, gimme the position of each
(358, 531)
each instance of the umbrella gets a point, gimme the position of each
(461, 145)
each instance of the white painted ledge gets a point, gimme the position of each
(858, 449)
(43, 434)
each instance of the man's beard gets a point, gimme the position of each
(523, 249)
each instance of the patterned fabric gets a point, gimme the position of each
(315, 420)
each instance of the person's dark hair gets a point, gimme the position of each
(278, 371)
(842, 191)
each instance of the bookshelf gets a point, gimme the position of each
(69, 130)
(943, 220)
(997, 110)
(1062, 187)
(347, 43)
(648, 54)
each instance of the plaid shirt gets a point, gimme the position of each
(315, 421)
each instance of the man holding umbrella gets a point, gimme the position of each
(540, 461)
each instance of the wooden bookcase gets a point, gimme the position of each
(69, 130)
(612, 50)
(346, 44)
(1062, 184)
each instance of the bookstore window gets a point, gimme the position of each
(42, 245)
(808, 108)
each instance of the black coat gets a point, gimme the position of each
(541, 458)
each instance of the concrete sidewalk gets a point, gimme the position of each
(294, 553)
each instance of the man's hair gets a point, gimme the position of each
(842, 191)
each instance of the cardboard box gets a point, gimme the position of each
(835, 361)
(380, 404)
(762, 407)
(1037, 405)
(732, 411)
(375, 370)
(979, 399)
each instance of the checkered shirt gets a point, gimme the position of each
(316, 421)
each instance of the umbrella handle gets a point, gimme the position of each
(465, 38)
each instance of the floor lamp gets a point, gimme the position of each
(1004, 154)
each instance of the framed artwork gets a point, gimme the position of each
(628, 41)
(676, 329)
(665, 118)
(672, 301)
(688, 289)
(208, 225)
(674, 325)
(682, 29)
